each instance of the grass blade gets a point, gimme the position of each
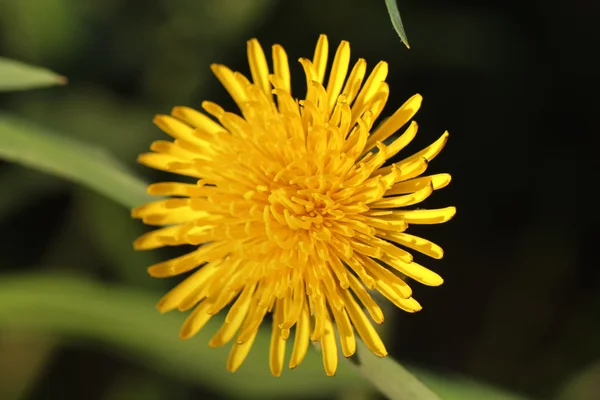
(15, 75)
(398, 383)
(28, 145)
(394, 13)
(390, 378)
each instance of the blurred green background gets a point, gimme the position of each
(511, 81)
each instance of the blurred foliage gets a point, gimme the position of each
(125, 318)
(15, 75)
(76, 161)
(520, 303)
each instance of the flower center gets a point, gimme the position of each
(303, 208)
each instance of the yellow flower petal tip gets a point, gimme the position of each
(297, 210)
(451, 213)
(382, 354)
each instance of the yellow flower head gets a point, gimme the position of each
(293, 212)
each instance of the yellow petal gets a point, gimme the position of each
(239, 351)
(196, 321)
(345, 330)
(329, 348)
(281, 67)
(403, 201)
(219, 291)
(365, 298)
(370, 88)
(165, 147)
(390, 249)
(167, 212)
(384, 275)
(174, 189)
(404, 170)
(156, 238)
(391, 225)
(414, 242)
(364, 327)
(377, 102)
(395, 122)
(403, 141)
(191, 284)
(277, 347)
(337, 76)
(354, 80)
(208, 252)
(167, 163)
(302, 339)
(409, 305)
(359, 268)
(430, 152)
(255, 317)
(294, 303)
(319, 313)
(196, 119)
(232, 85)
(259, 66)
(234, 319)
(438, 181)
(426, 217)
(309, 72)
(175, 128)
(415, 271)
(320, 57)
(390, 293)
(410, 169)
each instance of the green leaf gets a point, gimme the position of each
(392, 8)
(391, 378)
(28, 145)
(15, 75)
(456, 387)
(397, 383)
(127, 320)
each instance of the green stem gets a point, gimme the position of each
(389, 377)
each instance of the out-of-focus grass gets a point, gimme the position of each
(15, 75)
(125, 318)
(27, 145)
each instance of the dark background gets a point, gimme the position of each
(513, 82)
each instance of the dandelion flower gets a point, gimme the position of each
(294, 209)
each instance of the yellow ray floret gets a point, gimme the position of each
(296, 210)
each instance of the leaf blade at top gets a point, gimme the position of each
(394, 13)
